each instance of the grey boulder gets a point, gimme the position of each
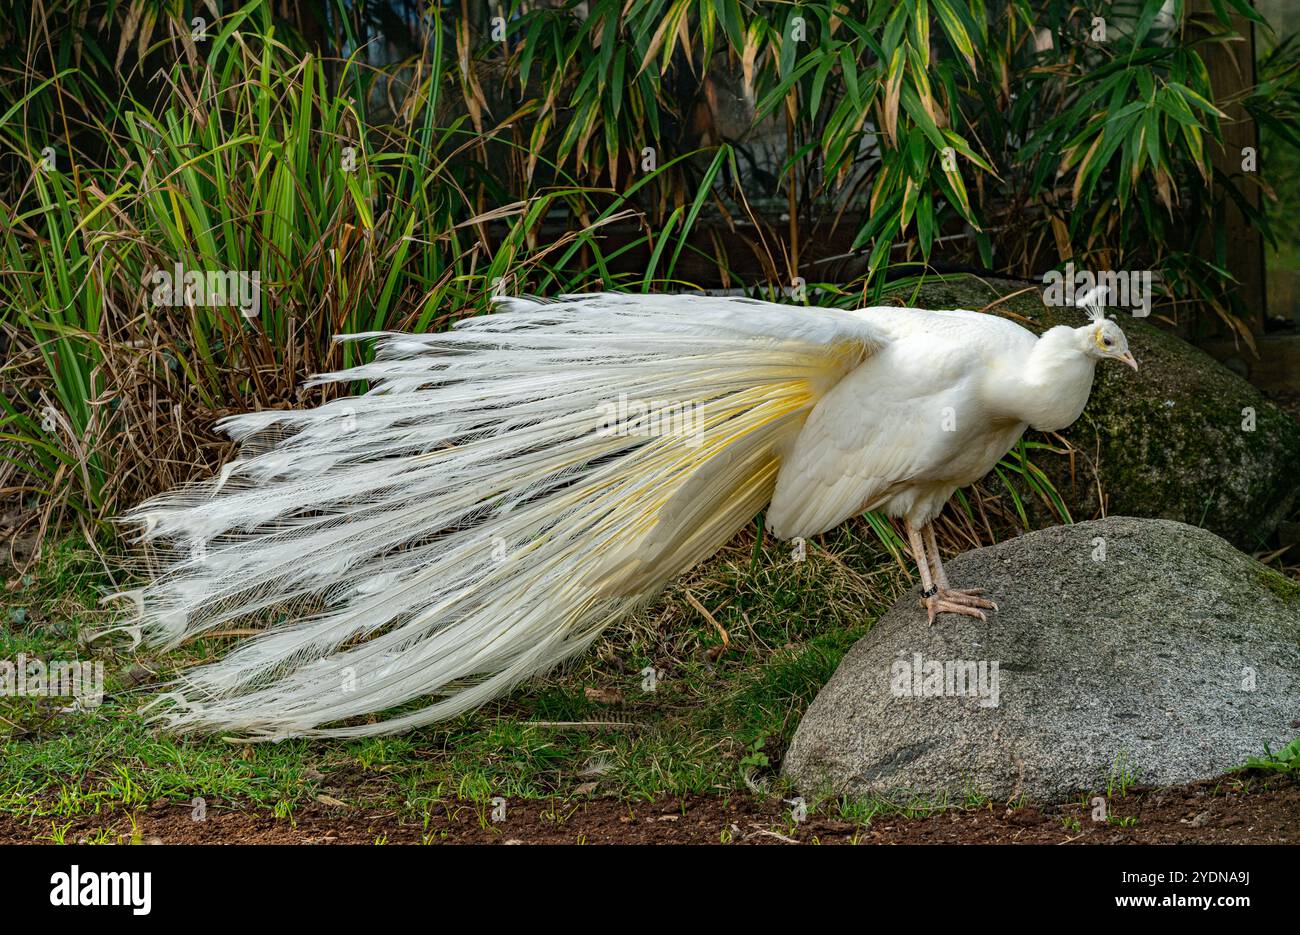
(1124, 650)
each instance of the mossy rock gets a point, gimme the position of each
(1167, 442)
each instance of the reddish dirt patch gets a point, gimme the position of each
(1223, 812)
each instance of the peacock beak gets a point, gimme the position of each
(1128, 359)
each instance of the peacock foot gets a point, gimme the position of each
(965, 601)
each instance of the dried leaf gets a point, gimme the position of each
(609, 696)
(129, 28)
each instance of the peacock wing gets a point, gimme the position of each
(873, 434)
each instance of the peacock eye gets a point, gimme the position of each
(1108, 342)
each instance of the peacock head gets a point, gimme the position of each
(1103, 340)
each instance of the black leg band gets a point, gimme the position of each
(931, 592)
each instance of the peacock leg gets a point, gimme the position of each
(967, 596)
(918, 556)
(932, 553)
(934, 600)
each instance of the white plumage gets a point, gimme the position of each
(947, 396)
(478, 516)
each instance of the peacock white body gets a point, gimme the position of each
(507, 489)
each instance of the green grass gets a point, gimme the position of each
(865, 809)
(713, 725)
(1286, 760)
(717, 724)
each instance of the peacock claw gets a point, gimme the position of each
(963, 601)
(966, 596)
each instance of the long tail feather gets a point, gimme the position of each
(503, 492)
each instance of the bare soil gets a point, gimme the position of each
(1265, 810)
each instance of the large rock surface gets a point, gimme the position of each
(1168, 658)
(1166, 442)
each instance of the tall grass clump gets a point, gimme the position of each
(390, 165)
(263, 162)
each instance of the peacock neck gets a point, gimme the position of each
(1053, 382)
